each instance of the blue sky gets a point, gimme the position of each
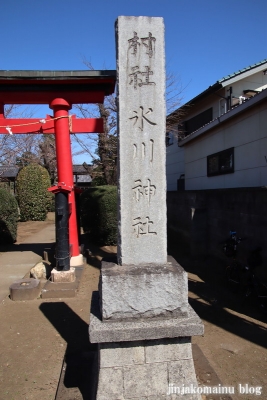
(205, 39)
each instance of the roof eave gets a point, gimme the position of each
(225, 117)
(211, 89)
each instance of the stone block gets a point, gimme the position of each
(168, 350)
(63, 276)
(110, 384)
(77, 261)
(40, 271)
(25, 289)
(157, 328)
(145, 380)
(182, 373)
(118, 354)
(145, 291)
(141, 129)
(170, 397)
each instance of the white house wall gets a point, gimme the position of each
(174, 164)
(239, 134)
(256, 81)
(247, 133)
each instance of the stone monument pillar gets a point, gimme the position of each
(141, 318)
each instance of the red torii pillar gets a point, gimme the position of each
(65, 173)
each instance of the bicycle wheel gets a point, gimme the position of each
(233, 274)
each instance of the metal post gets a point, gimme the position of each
(62, 232)
(78, 214)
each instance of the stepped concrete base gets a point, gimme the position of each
(62, 289)
(144, 359)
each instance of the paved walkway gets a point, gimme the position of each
(18, 259)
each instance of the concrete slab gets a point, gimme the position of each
(15, 264)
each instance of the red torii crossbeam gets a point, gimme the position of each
(59, 89)
(47, 126)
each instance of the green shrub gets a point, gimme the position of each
(51, 205)
(50, 197)
(8, 217)
(33, 198)
(99, 214)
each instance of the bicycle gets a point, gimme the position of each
(238, 274)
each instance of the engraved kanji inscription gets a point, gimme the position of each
(137, 190)
(143, 227)
(151, 149)
(149, 190)
(133, 43)
(145, 191)
(143, 150)
(139, 152)
(146, 75)
(136, 77)
(134, 150)
(141, 116)
(149, 43)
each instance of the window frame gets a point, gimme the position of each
(221, 155)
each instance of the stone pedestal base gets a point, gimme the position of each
(147, 370)
(63, 276)
(143, 291)
(147, 359)
(25, 289)
(76, 261)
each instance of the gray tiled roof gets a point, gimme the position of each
(84, 178)
(213, 88)
(239, 107)
(241, 71)
(79, 169)
(8, 171)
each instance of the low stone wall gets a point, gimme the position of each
(202, 219)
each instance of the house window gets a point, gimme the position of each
(221, 163)
(193, 124)
(169, 139)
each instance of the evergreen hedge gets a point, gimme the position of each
(33, 198)
(99, 214)
(8, 217)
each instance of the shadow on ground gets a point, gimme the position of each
(37, 248)
(214, 301)
(94, 254)
(78, 369)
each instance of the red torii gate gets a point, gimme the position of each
(58, 89)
